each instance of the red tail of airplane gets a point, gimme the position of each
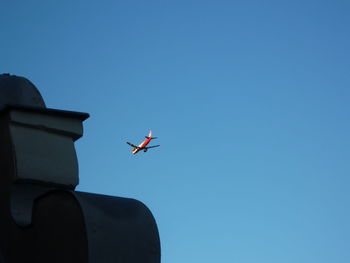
(150, 136)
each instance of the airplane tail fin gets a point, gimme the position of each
(150, 135)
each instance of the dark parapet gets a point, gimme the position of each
(42, 217)
(121, 229)
(56, 234)
(116, 227)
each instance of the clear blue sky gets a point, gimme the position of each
(249, 99)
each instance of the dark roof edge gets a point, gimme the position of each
(61, 113)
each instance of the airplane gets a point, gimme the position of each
(143, 146)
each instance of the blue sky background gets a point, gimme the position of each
(249, 99)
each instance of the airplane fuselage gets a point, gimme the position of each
(141, 146)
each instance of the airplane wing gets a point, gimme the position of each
(132, 145)
(154, 146)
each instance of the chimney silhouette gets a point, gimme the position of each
(42, 217)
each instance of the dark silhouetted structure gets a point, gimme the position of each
(42, 218)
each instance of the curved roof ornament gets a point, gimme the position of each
(16, 90)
